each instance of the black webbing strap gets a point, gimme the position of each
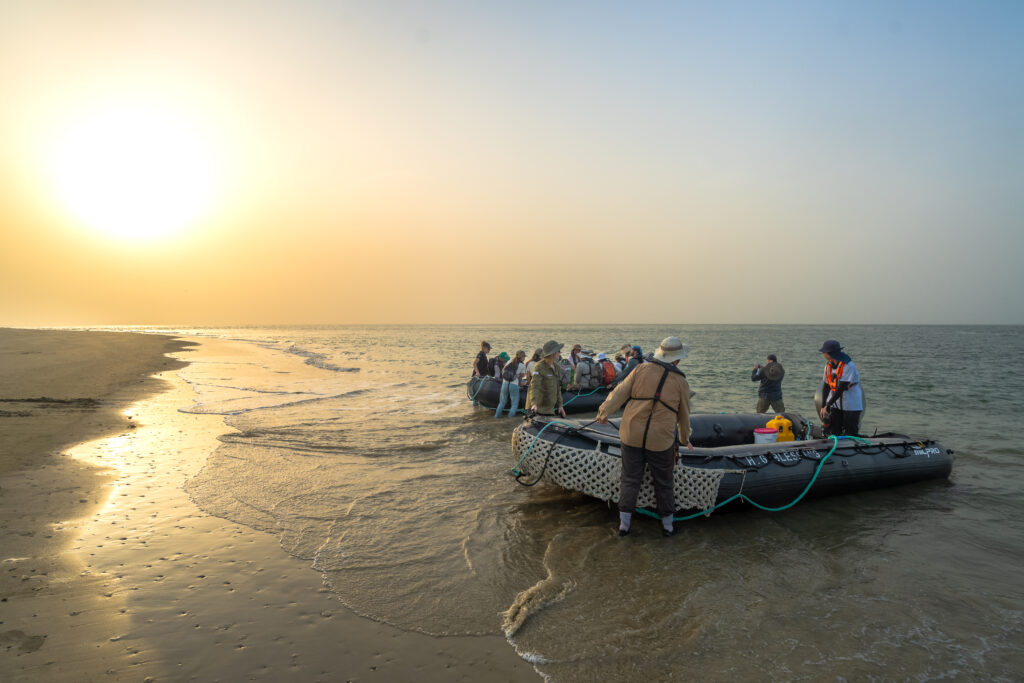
(654, 399)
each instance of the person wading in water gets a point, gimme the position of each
(770, 391)
(659, 405)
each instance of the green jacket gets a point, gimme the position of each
(545, 388)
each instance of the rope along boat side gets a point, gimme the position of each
(487, 391)
(726, 465)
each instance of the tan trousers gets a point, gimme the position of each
(763, 403)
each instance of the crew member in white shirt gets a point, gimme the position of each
(844, 399)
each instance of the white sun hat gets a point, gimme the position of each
(672, 349)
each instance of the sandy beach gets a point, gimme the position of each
(109, 572)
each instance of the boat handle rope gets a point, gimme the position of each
(479, 388)
(483, 381)
(551, 449)
(578, 395)
(515, 468)
(522, 410)
(573, 428)
(835, 442)
(564, 404)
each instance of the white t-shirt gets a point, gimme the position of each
(852, 398)
(521, 373)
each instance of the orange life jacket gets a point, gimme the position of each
(834, 374)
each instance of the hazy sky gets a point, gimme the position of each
(524, 162)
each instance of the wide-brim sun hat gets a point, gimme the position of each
(551, 347)
(830, 346)
(503, 356)
(671, 350)
(602, 356)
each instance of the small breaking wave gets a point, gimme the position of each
(226, 407)
(317, 360)
(200, 386)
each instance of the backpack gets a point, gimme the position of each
(509, 373)
(566, 372)
(588, 374)
(582, 376)
(608, 372)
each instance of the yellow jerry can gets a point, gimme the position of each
(783, 426)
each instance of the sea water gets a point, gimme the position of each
(360, 450)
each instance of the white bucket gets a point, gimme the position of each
(765, 435)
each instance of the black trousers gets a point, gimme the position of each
(662, 466)
(839, 422)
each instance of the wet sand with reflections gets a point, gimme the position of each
(109, 572)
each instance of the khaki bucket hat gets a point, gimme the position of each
(671, 349)
(551, 347)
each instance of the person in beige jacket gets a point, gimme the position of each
(659, 405)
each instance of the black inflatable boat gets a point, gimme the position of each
(726, 464)
(487, 391)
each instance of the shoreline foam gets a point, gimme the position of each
(154, 588)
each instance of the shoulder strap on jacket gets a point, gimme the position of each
(655, 399)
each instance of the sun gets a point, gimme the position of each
(134, 172)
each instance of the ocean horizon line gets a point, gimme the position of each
(123, 326)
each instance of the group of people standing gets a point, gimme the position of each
(656, 395)
(513, 373)
(656, 417)
(581, 370)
